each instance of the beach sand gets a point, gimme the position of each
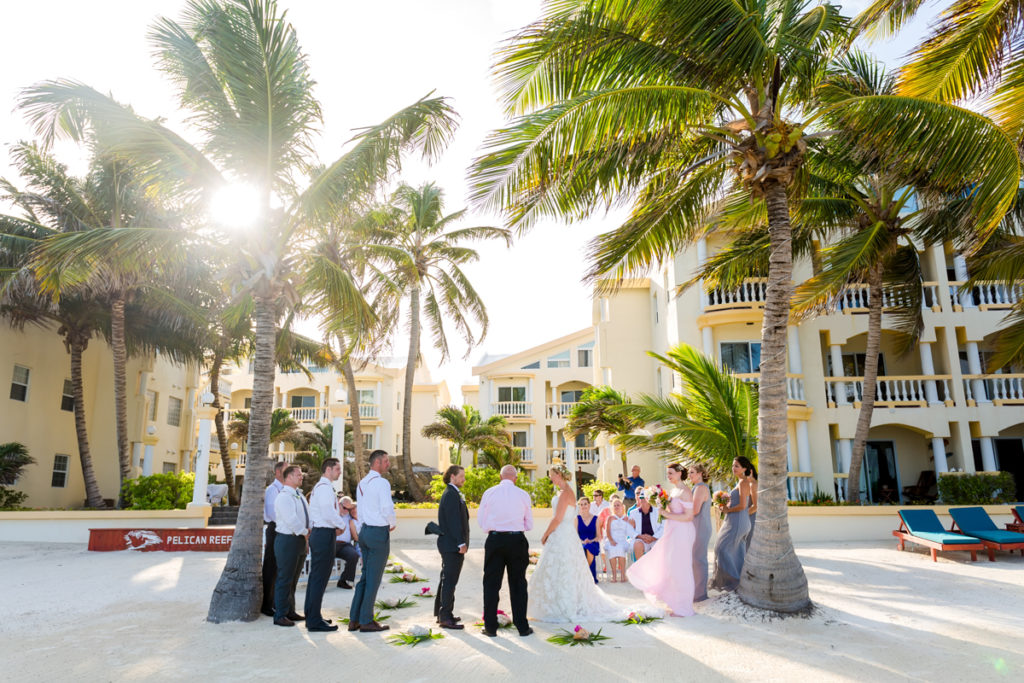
(880, 614)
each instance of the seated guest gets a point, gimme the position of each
(345, 544)
(647, 523)
(602, 509)
(618, 528)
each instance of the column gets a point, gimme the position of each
(974, 368)
(376, 439)
(708, 338)
(570, 459)
(939, 455)
(960, 271)
(836, 351)
(702, 256)
(323, 413)
(931, 392)
(961, 432)
(206, 415)
(339, 411)
(988, 454)
(845, 455)
(803, 454)
(136, 455)
(150, 455)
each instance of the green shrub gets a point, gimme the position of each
(607, 487)
(479, 479)
(159, 491)
(542, 491)
(977, 489)
(11, 499)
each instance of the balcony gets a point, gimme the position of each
(800, 486)
(369, 411)
(895, 391)
(585, 455)
(986, 295)
(558, 411)
(321, 414)
(751, 294)
(854, 299)
(1005, 389)
(525, 455)
(286, 456)
(794, 385)
(512, 409)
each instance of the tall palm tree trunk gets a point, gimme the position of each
(772, 577)
(239, 591)
(120, 352)
(76, 346)
(357, 420)
(410, 371)
(222, 435)
(867, 406)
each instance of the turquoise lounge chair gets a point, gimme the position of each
(975, 522)
(924, 528)
(1018, 517)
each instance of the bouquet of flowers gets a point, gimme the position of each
(637, 618)
(425, 592)
(414, 636)
(394, 568)
(658, 496)
(534, 556)
(393, 604)
(407, 577)
(720, 499)
(504, 620)
(578, 636)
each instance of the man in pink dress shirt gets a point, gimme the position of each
(506, 513)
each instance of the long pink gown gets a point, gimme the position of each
(665, 573)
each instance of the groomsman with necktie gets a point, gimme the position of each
(269, 561)
(377, 512)
(327, 523)
(293, 522)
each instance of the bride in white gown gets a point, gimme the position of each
(562, 588)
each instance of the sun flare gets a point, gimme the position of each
(235, 206)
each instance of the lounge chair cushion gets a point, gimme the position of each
(945, 537)
(918, 521)
(972, 519)
(997, 536)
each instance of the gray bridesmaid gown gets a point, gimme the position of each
(702, 523)
(731, 546)
(753, 520)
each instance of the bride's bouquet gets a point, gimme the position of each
(658, 496)
(720, 499)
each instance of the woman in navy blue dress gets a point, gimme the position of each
(586, 527)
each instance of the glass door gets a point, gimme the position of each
(880, 476)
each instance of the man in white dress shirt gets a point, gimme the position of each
(293, 521)
(377, 512)
(269, 563)
(327, 524)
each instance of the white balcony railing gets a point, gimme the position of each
(890, 390)
(751, 294)
(512, 408)
(855, 297)
(314, 414)
(794, 385)
(525, 454)
(801, 486)
(369, 410)
(558, 411)
(1006, 388)
(986, 294)
(584, 455)
(286, 456)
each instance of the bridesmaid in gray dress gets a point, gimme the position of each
(702, 523)
(731, 545)
(750, 473)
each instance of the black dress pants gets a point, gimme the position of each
(290, 552)
(444, 601)
(269, 568)
(506, 552)
(350, 556)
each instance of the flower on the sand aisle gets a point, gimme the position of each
(408, 576)
(580, 633)
(425, 592)
(504, 619)
(419, 631)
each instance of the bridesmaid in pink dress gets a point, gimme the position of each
(665, 572)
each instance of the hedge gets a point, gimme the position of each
(977, 489)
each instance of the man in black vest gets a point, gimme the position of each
(452, 543)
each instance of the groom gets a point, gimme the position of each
(452, 543)
(506, 514)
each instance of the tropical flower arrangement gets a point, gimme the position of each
(407, 577)
(657, 496)
(394, 568)
(504, 620)
(578, 636)
(534, 556)
(398, 603)
(637, 618)
(414, 636)
(377, 616)
(720, 499)
(425, 592)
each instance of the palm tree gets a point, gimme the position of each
(596, 414)
(282, 426)
(497, 457)
(711, 419)
(243, 78)
(673, 105)
(465, 428)
(14, 458)
(426, 255)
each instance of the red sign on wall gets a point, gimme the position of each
(173, 540)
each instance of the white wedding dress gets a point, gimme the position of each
(562, 588)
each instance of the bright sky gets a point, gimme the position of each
(369, 59)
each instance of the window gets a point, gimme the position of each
(573, 396)
(60, 471)
(367, 442)
(559, 360)
(367, 396)
(741, 357)
(67, 399)
(585, 355)
(853, 364)
(169, 468)
(507, 394)
(398, 400)
(535, 365)
(654, 307)
(247, 403)
(151, 399)
(519, 439)
(19, 384)
(173, 411)
(303, 401)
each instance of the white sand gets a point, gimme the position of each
(881, 615)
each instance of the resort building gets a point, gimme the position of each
(380, 387)
(39, 413)
(940, 407)
(535, 390)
